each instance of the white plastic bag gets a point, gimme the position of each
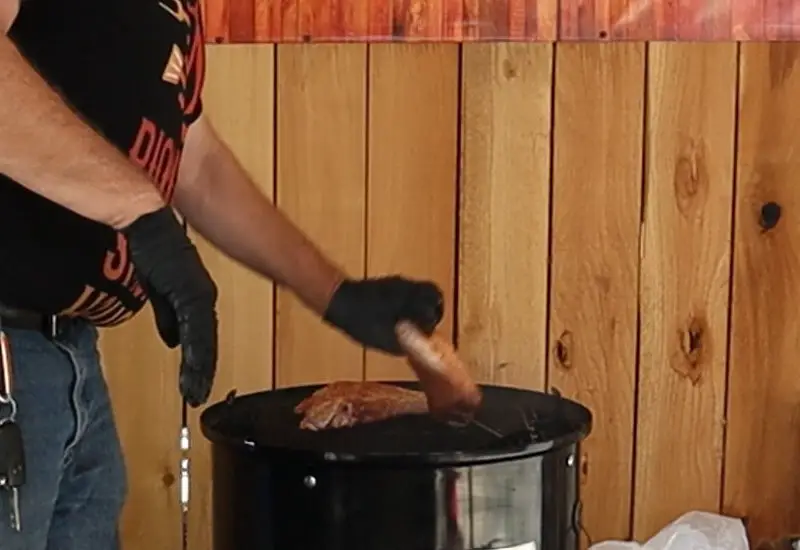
(691, 531)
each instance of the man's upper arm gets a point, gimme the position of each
(201, 141)
(8, 13)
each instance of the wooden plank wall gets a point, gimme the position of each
(287, 21)
(596, 216)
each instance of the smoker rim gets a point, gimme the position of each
(581, 429)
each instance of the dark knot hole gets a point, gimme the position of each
(770, 215)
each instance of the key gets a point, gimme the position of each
(12, 467)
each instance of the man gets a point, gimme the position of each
(101, 127)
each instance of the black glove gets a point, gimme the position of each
(182, 294)
(368, 310)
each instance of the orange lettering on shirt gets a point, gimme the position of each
(195, 65)
(103, 317)
(80, 302)
(101, 303)
(142, 149)
(116, 262)
(123, 315)
(158, 155)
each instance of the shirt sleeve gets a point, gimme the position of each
(196, 77)
(193, 114)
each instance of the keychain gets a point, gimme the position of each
(184, 476)
(12, 453)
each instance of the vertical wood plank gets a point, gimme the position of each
(684, 281)
(666, 18)
(542, 20)
(142, 376)
(239, 101)
(216, 19)
(495, 18)
(276, 19)
(355, 16)
(322, 19)
(763, 436)
(380, 16)
(504, 211)
(657, 20)
(289, 19)
(772, 15)
(411, 207)
(263, 25)
(245, 21)
(596, 207)
(321, 186)
(242, 25)
(453, 20)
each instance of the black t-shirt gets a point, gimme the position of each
(134, 70)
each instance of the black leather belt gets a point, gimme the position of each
(49, 325)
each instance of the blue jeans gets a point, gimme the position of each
(76, 484)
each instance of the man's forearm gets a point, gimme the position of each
(220, 201)
(47, 148)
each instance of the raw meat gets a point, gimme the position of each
(347, 403)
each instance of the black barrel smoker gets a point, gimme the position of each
(509, 480)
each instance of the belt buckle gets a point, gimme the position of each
(52, 326)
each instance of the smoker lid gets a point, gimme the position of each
(266, 422)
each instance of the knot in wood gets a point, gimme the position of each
(510, 71)
(562, 350)
(692, 346)
(770, 215)
(691, 176)
(168, 479)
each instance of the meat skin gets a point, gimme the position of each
(448, 391)
(348, 403)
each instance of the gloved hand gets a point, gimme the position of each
(182, 294)
(368, 310)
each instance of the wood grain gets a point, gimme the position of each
(407, 152)
(763, 435)
(239, 102)
(684, 281)
(413, 152)
(216, 21)
(593, 296)
(505, 20)
(321, 186)
(504, 211)
(242, 21)
(142, 375)
(263, 24)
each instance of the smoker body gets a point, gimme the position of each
(265, 504)
(287, 499)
